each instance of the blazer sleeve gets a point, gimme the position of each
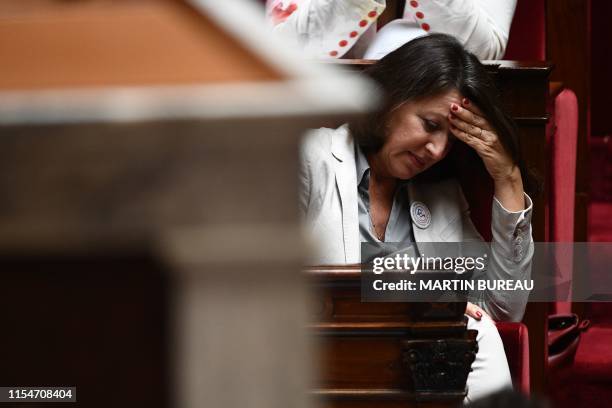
(304, 182)
(323, 28)
(512, 250)
(483, 26)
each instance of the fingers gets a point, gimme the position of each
(467, 124)
(470, 129)
(475, 312)
(472, 311)
(470, 114)
(467, 104)
(473, 141)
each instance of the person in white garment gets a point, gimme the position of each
(347, 28)
(360, 182)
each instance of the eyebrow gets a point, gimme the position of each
(434, 113)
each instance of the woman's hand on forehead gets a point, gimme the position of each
(469, 125)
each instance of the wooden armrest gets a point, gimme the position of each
(555, 88)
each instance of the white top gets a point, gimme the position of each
(331, 28)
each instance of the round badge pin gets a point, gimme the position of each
(420, 214)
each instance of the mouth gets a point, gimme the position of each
(417, 161)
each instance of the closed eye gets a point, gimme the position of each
(430, 126)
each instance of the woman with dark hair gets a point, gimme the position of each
(385, 179)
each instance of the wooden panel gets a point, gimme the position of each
(96, 43)
(362, 362)
(368, 351)
(526, 94)
(601, 66)
(383, 399)
(96, 321)
(138, 177)
(524, 87)
(339, 306)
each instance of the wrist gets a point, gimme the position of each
(509, 190)
(512, 178)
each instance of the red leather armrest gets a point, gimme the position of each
(516, 344)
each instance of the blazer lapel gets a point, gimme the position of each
(343, 149)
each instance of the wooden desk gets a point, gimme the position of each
(387, 354)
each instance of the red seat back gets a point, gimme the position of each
(527, 39)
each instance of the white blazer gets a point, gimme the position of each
(329, 206)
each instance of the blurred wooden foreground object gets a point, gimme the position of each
(149, 246)
(387, 354)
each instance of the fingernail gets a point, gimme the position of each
(466, 101)
(454, 107)
(479, 314)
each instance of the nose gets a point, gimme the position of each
(437, 146)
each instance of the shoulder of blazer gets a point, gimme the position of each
(316, 145)
(326, 145)
(317, 162)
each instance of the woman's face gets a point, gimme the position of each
(418, 136)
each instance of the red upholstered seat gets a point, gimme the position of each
(563, 139)
(516, 344)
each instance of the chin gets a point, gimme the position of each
(405, 173)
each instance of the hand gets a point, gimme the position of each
(475, 312)
(468, 124)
